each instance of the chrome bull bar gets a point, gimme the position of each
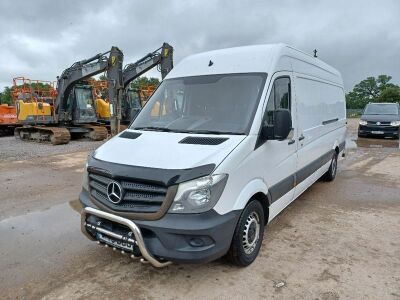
(130, 224)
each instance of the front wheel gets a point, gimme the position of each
(248, 235)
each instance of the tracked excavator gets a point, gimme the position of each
(73, 111)
(162, 58)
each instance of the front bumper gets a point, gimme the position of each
(375, 130)
(188, 238)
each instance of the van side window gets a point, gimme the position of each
(278, 98)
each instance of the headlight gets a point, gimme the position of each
(395, 123)
(85, 179)
(362, 122)
(198, 195)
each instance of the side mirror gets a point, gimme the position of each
(267, 132)
(282, 124)
(281, 128)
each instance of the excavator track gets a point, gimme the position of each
(55, 135)
(97, 133)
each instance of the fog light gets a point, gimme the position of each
(196, 242)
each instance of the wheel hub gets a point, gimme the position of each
(251, 233)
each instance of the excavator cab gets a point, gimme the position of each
(130, 106)
(83, 108)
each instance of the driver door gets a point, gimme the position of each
(280, 157)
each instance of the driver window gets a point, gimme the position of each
(278, 98)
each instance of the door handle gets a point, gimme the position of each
(291, 142)
(301, 137)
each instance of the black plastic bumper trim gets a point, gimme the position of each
(170, 237)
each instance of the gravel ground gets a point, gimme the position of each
(12, 149)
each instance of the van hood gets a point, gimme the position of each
(163, 150)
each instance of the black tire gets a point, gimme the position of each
(247, 240)
(331, 173)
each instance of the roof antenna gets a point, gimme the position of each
(315, 53)
(210, 63)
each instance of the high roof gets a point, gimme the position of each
(266, 58)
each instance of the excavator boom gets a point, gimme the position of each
(162, 58)
(82, 70)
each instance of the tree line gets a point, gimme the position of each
(373, 89)
(6, 94)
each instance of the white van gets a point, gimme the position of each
(227, 141)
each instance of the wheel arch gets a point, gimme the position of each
(255, 189)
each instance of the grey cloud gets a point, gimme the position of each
(38, 39)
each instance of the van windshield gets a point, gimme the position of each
(214, 104)
(381, 109)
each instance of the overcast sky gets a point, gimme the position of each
(39, 39)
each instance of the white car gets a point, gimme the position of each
(227, 141)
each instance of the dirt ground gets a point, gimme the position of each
(337, 240)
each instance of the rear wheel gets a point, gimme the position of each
(331, 173)
(248, 235)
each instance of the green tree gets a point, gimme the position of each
(383, 82)
(103, 77)
(5, 97)
(368, 90)
(390, 94)
(144, 81)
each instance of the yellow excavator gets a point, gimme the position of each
(72, 112)
(33, 100)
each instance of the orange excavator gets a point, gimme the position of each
(8, 119)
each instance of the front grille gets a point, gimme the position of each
(381, 123)
(386, 129)
(137, 197)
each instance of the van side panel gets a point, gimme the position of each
(321, 125)
(319, 102)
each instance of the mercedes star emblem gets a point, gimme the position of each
(114, 192)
